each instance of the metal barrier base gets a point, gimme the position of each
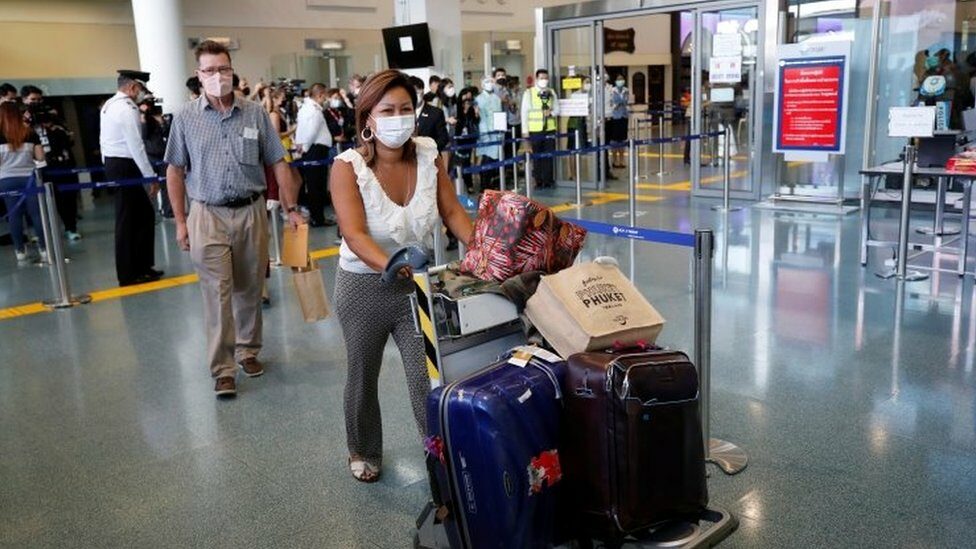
(721, 208)
(713, 525)
(730, 458)
(910, 276)
(946, 231)
(83, 299)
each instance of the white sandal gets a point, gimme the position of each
(364, 471)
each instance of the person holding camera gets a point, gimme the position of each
(155, 132)
(124, 154)
(466, 132)
(57, 143)
(540, 107)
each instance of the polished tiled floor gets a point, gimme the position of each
(855, 401)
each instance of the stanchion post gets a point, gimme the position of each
(729, 457)
(528, 174)
(501, 178)
(632, 153)
(901, 271)
(660, 148)
(726, 173)
(460, 190)
(514, 166)
(46, 227)
(55, 250)
(579, 174)
(276, 234)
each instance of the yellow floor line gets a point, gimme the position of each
(682, 156)
(685, 185)
(118, 293)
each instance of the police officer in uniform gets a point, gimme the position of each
(124, 154)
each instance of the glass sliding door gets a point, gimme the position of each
(572, 51)
(727, 57)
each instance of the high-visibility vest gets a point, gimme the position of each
(535, 113)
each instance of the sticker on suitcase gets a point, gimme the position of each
(544, 469)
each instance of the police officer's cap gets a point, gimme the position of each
(139, 76)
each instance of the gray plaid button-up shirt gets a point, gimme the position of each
(224, 153)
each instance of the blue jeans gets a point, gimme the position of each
(16, 215)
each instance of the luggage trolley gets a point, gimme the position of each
(463, 334)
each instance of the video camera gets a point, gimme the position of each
(291, 86)
(153, 106)
(41, 113)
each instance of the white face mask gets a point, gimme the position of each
(587, 87)
(217, 85)
(542, 83)
(395, 131)
(488, 86)
(140, 96)
(449, 91)
(335, 103)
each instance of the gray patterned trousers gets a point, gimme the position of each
(370, 312)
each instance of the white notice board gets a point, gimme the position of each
(578, 106)
(725, 70)
(500, 121)
(911, 121)
(726, 45)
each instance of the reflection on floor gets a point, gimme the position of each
(855, 401)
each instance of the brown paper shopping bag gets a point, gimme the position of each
(311, 292)
(294, 246)
(590, 307)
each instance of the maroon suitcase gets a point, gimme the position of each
(632, 447)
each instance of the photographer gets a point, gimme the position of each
(155, 133)
(465, 132)
(540, 107)
(57, 143)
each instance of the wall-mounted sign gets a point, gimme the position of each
(811, 98)
(618, 40)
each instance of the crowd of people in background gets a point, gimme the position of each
(317, 122)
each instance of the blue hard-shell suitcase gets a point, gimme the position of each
(492, 454)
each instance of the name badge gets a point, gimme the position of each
(250, 133)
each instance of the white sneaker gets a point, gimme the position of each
(43, 256)
(72, 236)
(21, 255)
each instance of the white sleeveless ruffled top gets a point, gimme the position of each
(391, 225)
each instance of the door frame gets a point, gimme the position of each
(595, 14)
(595, 122)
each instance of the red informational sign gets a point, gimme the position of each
(810, 105)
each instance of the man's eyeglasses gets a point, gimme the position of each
(210, 71)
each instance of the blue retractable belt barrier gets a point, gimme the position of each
(469, 146)
(490, 166)
(112, 184)
(637, 233)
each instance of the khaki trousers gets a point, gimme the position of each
(229, 250)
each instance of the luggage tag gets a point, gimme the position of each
(522, 355)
